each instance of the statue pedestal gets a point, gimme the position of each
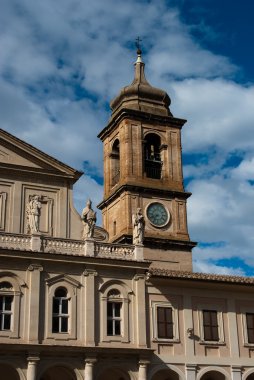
(36, 242)
(139, 252)
(89, 247)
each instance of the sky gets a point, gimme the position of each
(62, 61)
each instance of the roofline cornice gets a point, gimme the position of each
(182, 275)
(66, 170)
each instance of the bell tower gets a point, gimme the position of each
(143, 169)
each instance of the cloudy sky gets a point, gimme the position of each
(62, 61)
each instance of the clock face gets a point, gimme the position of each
(157, 214)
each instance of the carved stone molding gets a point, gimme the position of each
(139, 277)
(90, 272)
(33, 267)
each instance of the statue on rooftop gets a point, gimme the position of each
(89, 220)
(33, 212)
(138, 222)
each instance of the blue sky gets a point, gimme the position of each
(62, 61)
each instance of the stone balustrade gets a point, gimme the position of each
(50, 245)
(114, 251)
(15, 241)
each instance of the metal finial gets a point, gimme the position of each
(138, 45)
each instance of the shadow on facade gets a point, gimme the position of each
(58, 372)
(8, 372)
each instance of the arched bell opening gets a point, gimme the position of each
(115, 163)
(152, 156)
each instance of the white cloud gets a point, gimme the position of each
(200, 266)
(62, 61)
(245, 171)
(219, 112)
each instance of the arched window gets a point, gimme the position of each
(6, 306)
(114, 318)
(115, 163)
(152, 156)
(60, 319)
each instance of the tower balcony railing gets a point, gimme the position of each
(153, 169)
(116, 178)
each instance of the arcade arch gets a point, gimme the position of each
(213, 375)
(113, 374)
(250, 377)
(58, 372)
(8, 372)
(166, 374)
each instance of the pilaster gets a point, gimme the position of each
(34, 271)
(233, 331)
(188, 327)
(236, 373)
(140, 310)
(90, 318)
(191, 370)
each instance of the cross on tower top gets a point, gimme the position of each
(138, 45)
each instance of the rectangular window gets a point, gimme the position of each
(114, 318)
(165, 323)
(210, 324)
(250, 327)
(5, 312)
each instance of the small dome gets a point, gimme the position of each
(140, 95)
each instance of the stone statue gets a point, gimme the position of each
(138, 223)
(33, 212)
(89, 219)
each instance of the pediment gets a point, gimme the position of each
(10, 157)
(63, 278)
(16, 154)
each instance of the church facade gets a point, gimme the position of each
(82, 302)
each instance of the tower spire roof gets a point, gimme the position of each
(140, 95)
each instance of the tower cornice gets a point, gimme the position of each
(136, 115)
(142, 189)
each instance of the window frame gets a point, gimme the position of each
(4, 313)
(247, 328)
(114, 319)
(71, 285)
(221, 334)
(211, 325)
(175, 321)
(16, 293)
(123, 298)
(244, 311)
(60, 315)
